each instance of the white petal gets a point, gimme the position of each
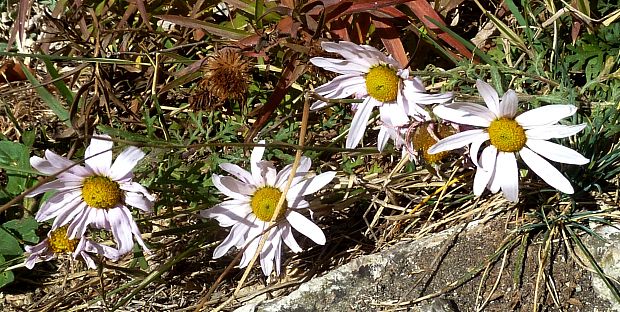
(458, 140)
(268, 254)
(138, 201)
(382, 138)
(289, 239)
(552, 131)
(509, 104)
(358, 125)
(238, 172)
(339, 66)
(507, 171)
(489, 95)
(121, 230)
(231, 187)
(98, 155)
(306, 227)
(252, 240)
(236, 235)
(255, 157)
(465, 113)
(486, 169)
(556, 152)
(475, 148)
(56, 185)
(58, 203)
(415, 93)
(268, 172)
(311, 185)
(302, 170)
(349, 51)
(229, 213)
(136, 187)
(393, 115)
(68, 215)
(546, 171)
(125, 162)
(341, 87)
(545, 115)
(62, 163)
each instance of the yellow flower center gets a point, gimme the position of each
(382, 83)
(59, 242)
(507, 135)
(264, 202)
(423, 140)
(101, 192)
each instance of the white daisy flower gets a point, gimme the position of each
(509, 134)
(254, 196)
(380, 81)
(95, 194)
(57, 242)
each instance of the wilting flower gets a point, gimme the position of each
(378, 79)
(425, 134)
(95, 194)
(57, 242)
(254, 197)
(509, 134)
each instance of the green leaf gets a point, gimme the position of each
(15, 159)
(48, 98)
(25, 228)
(5, 276)
(58, 82)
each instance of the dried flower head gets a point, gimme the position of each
(226, 77)
(425, 135)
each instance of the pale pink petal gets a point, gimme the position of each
(68, 215)
(490, 96)
(458, 140)
(306, 227)
(79, 224)
(545, 115)
(552, 131)
(358, 124)
(125, 162)
(465, 113)
(546, 171)
(556, 152)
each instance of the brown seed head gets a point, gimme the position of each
(227, 75)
